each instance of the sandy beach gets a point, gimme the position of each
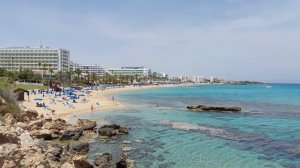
(96, 101)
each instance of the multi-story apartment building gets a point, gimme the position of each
(15, 58)
(131, 71)
(217, 80)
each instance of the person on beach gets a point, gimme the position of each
(92, 108)
(113, 98)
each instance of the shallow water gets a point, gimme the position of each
(164, 134)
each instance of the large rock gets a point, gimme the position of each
(36, 124)
(108, 132)
(71, 134)
(214, 108)
(57, 124)
(86, 124)
(8, 137)
(80, 162)
(54, 152)
(30, 114)
(112, 130)
(113, 126)
(80, 148)
(42, 134)
(102, 161)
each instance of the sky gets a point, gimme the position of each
(256, 40)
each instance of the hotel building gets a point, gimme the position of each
(93, 68)
(15, 58)
(131, 71)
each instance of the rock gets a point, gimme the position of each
(103, 160)
(25, 119)
(47, 119)
(27, 140)
(81, 148)
(121, 164)
(21, 125)
(8, 137)
(80, 162)
(71, 133)
(123, 130)
(113, 126)
(37, 124)
(54, 152)
(57, 124)
(126, 142)
(42, 134)
(86, 124)
(67, 165)
(108, 132)
(213, 108)
(126, 148)
(9, 118)
(31, 114)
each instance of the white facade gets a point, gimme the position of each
(131, 71)
(15, 58)
(93, 68)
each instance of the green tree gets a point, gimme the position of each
(3, 72)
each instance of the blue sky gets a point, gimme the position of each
(237, 39)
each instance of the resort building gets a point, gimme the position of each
(93, 68)
(16, 58)
(131, 71)
(217, 80)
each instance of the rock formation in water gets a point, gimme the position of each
(213, 108)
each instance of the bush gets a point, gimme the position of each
(12, 105)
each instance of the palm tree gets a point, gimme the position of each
(78, 73)
(44, 69)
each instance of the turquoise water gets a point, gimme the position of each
(164, 134)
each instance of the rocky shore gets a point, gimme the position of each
(31, 140)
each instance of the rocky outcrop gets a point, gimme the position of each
(28, 115)
(112, 130)
(107, 132)
(103, 161)
(74, 133)
(86, 124)
(213, 108)
(80, 162)
(80, 148)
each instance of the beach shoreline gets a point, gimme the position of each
(97, 101)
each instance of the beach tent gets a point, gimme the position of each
(20, 93)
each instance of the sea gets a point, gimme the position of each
(163, 134)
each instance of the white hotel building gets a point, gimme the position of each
(14, 58)
(93, 68)
(131, 71)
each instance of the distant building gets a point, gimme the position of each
(93, 68)
(73, 66)
(217, 80)
(131, 71)
(16, 58)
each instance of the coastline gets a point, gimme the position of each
(103, 97)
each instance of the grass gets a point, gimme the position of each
(30, 87)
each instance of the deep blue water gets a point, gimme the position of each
(164, 134)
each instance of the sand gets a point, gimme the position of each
(97, 101)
